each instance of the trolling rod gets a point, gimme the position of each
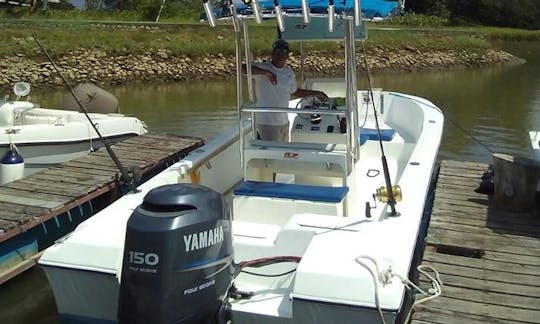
(127, 179)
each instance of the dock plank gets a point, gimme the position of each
(43, 195)
(516, 227)
(469, 229)
(73, 191)
(511, 258)
(488, 258)
(22, 209)
(19, 218)
(509, 283)
(30, 201)
(92, 184)
(84, 165)
(440, 316)
(502, 313)
(7, 225)
(500, 266)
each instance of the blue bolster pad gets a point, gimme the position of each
(291, 191)
(371, 134)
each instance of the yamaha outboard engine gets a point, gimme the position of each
(178, 257)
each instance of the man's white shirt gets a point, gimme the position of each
(274, 96)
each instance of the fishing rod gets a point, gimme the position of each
(125, 177)
(386, 172)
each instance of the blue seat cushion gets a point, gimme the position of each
(371, 134)
(291, 191)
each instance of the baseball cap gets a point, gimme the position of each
(280, 46)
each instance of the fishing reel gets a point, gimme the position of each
(382, 195)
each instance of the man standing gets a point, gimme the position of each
(275, 82)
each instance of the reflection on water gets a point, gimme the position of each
(497, 106)
(195, 108)
(28, 299)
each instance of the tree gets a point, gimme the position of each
(94, 4)
(427, 7)
(503, 13)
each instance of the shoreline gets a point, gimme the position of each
(102, 69)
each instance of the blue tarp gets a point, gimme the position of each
(370, 8)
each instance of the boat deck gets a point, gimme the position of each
(85, 183)
(488, 259)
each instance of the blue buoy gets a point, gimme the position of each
(11, 166)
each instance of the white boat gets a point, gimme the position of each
(45, 137)
(535, 144)
(311, 246)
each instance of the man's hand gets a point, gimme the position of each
(271, 77)
(320, 95)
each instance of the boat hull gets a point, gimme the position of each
(327, 285)
(97, 305)
(100, 301)
(39, 156)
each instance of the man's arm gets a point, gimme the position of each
(301, 93)
(260, 71)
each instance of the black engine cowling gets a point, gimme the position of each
(178, 257)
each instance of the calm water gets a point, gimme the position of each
(497, 106)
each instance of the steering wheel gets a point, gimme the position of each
(312, 102)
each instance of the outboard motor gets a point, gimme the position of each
(178, 257)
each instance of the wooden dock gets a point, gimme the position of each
(38, 209)
(488, 259)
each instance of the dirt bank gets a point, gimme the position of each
(101, 68)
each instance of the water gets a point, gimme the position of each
(497, 106)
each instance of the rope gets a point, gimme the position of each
(375, 280)
(385, 277)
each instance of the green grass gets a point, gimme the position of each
(195, 39)
(186, 16)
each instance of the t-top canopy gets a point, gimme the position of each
(370, 8)
(317, 29)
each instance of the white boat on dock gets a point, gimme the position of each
(325, 228)
(45, 137)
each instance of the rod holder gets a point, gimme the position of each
(357, 13)
(256, 11)
(331, 17)
(305, 11)
(234, 15)
(279, 18)
(209, 13)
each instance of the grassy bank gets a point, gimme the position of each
(193, 40)
(120, 52)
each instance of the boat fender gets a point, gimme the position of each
(11, 166)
